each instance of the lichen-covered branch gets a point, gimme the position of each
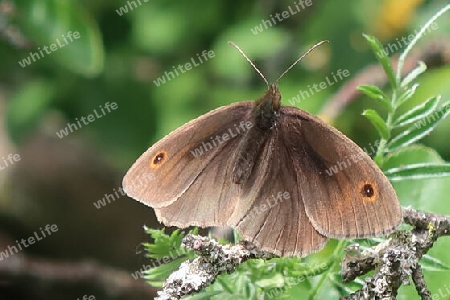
(213, 259)
(395, 261)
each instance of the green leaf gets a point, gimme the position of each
(163, 244)
(418, 171)
(431, 263)
(346, 288)
(418, 112)
(422, 67)
(224, 284)
(413, 154)
(204, 295)
(407, 94)
(383, 59)
(167, 254)
(275, 280)
(307, 270)
(419, 130)
(417, 36)
(241, 283)
(375, 93)
(377, 122)
(71, 36)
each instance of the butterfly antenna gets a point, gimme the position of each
(248, 59)
(301, 57)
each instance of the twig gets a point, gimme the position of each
(419, 282)
(213, 259)
(113, 282)
(398, 258)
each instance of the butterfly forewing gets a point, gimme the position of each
(167, 169)
(344, 192)
(210, 199)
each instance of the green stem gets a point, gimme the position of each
(379, 156)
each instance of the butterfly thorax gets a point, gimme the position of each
(264, 117)
(267, 108)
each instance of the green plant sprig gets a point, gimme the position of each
(416, 123)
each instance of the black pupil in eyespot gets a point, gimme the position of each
(158, 158)
(367, 190)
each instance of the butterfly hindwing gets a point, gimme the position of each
(277, 220)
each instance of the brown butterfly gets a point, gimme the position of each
(260, 168)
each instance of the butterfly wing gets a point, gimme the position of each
(344, 192)
(210, 199)
(276, 220)
(167, 169)
(214, 197)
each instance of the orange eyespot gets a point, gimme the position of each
(158, 159)
(368, 192)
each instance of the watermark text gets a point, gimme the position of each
(218, 140)
(279, 17)
(316, 88)
(403, 42)
(352, 159)
(169, 75)
(8, 161)
(49, 49)
(25, 243)
(71, 127)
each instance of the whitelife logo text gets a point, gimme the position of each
(220, 139)
(318, 87)
(86, 120)
(10, 160)
(279, 17)
(49, 229)
(169, 75)
(49, 49)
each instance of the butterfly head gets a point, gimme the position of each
(275, 96)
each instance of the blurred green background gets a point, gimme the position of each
(122, 50)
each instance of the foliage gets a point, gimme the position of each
(165, 247)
